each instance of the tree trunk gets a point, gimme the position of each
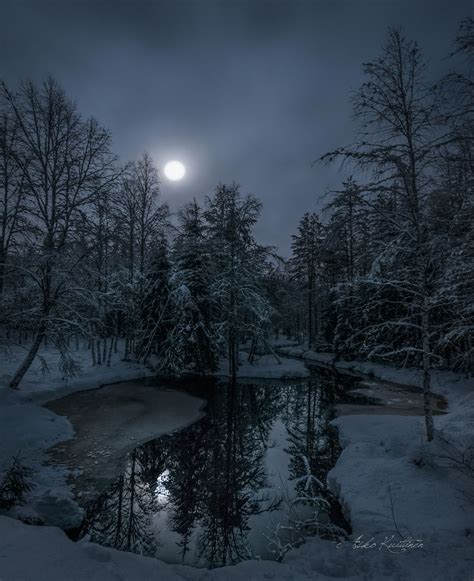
(2, 271)
(232, 361)
(116, 340)
(426, 376)
(94, 361)
(127, 348)
(310, 307)
(131, 515)
(15, 382)
(109, 358)
(99, 358)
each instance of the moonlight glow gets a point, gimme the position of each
(174, 170)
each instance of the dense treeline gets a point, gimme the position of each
(88, 251)
(389, 275)
(388, 263)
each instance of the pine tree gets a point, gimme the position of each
(156, 309)
(306, 267)
(242, 309)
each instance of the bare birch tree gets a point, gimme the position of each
(65, 162)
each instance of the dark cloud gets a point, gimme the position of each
(250, 91)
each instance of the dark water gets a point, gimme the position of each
(245, 481)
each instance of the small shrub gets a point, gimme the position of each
(16, 484)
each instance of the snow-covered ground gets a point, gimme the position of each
(30, 553)
(265, 367)
(443, 382)
(42, 383)
(389, 482)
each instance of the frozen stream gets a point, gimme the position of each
(160, 474)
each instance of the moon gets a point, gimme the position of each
(174, 170)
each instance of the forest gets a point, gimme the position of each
(89, 252)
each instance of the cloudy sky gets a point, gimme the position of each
(245, 90)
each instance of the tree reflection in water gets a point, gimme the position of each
(207, 485)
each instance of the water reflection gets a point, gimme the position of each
(246, 480)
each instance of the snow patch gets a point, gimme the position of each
(265, 367)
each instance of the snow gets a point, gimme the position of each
(387, 478)
(303, 352)
(378, 457)
(43, 385)
(265, 367)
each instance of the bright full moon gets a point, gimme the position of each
(174, 170)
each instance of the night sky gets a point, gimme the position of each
(251, 91)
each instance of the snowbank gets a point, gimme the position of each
(390, 481)
(302, 352)
(51, 556)
(443, 382)
(265, 367)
